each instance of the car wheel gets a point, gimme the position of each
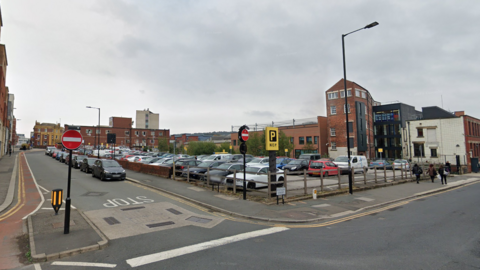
(102, 177)
(93, 174)
(251, 185)
(203, 178)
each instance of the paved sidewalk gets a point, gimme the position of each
(48, 241)
(8, 165)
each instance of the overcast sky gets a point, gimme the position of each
(209, 64)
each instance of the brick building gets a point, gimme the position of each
(359, 107)
(125, 135)
(46, 134)
(471, 126)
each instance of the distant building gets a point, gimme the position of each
(45, 134)
(147, 119)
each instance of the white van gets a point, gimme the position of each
(358, 163)
(223, 157)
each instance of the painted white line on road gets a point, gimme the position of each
(37, 266)
(38, 189)
(104, 265)
(142, 260)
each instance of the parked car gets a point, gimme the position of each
(310, 156)
(401, 164)
(183, 163)
(86, 165)
(283, 161)
(60, 156)
(67, 159)
(49, 150)
(108, 169)
(77, 161)
(160, 161)
(258, 162)
(296, 165)
(380, 163)
(217, 175)
(142, 159)
(150, 160)
(255, 173)
(224, 157)
(316, 166)
(239, 157)
(198, 171)
(358, 163)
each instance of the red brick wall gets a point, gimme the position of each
(472, 138)
(121, 122)
(147, 169)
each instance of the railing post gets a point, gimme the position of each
(338, 174)
(188, 173)
(234, 181)
(375, 168)
(393, 170)
(285, 181)
(385, 172)
(208, 176)
(305, 181)
(321, 179)
(365, 176)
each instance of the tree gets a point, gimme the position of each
(201, 148)
(284, 142)
(256, 143)
(223, 146)
(163, 145)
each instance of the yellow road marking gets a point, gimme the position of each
(20, 197)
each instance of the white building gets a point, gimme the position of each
(147, 119)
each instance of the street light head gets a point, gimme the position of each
(371, 25)
(89, 107)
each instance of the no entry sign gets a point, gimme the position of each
(72, 139)
(245, 135)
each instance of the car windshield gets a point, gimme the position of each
(91, 161)
(205, 164)
(256, 160)
(252, 169)
(398, 161)
(170, 161)
(295, 162)
(224, 166)
(341, 159)
(316, 165)
(110, 163)
(281, 161)
(210, 158)
(81, 157)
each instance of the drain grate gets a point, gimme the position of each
(132, 208)
(111, 220)
(199, 220)
(173, 211)
(160, 224)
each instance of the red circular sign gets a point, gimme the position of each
(245, 135)
(72, 139)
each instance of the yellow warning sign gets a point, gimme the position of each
(271, 139)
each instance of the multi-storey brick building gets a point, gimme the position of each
(471, 126)
(125, 135)
(359, 107)
(45, 134)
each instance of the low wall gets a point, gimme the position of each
(147, 169)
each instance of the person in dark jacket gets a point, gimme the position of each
(448, 166)
(417, 171)
(432, 172)
(443, 171)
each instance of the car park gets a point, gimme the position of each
(217, 175)
(106, 169)
(296, 165)
(183, 163)
(401, 164)
(259, 174)
(328, 167)
(199, 171)
(86, 165)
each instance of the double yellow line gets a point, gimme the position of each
(20, 196)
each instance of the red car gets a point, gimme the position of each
(329, 168)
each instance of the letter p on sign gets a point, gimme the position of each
(271, 139)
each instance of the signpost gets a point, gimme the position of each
(71, 139)
(243, 137)
(272, 146)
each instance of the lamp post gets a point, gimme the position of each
(350, 182)
(98, 145)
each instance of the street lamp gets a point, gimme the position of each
(98, 145)
(350, 182)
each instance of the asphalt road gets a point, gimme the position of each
(435, 232)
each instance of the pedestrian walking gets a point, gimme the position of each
(417, 171)
(432, 172)
(10, 151)
(443, 171)
(448, 166)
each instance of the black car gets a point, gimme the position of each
(63, 156)
(108, 169)
(198, 172)
(296, 165)
(77, 161)
(86, 165)
(217, 175)
(181, 164)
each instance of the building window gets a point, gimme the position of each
(334, 146)
(315, 140)
(144, 133)
(309, 139)
(301, 140)
(364, 95)
(433, 152)
(38, 136)
(419, 132)
(151, 141)
(128, 141)
(348, 106)
(349, 93)
(332, 132)
(333, 110)
(89, 131)
(127, 132)
(291, 140)
(46, 130)
(45, 137)
(357, 92)
(153, 133)
(107, 131)
(333, 95)
(136, 133)
(98, 131)
(234, 142)
(418, 150)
